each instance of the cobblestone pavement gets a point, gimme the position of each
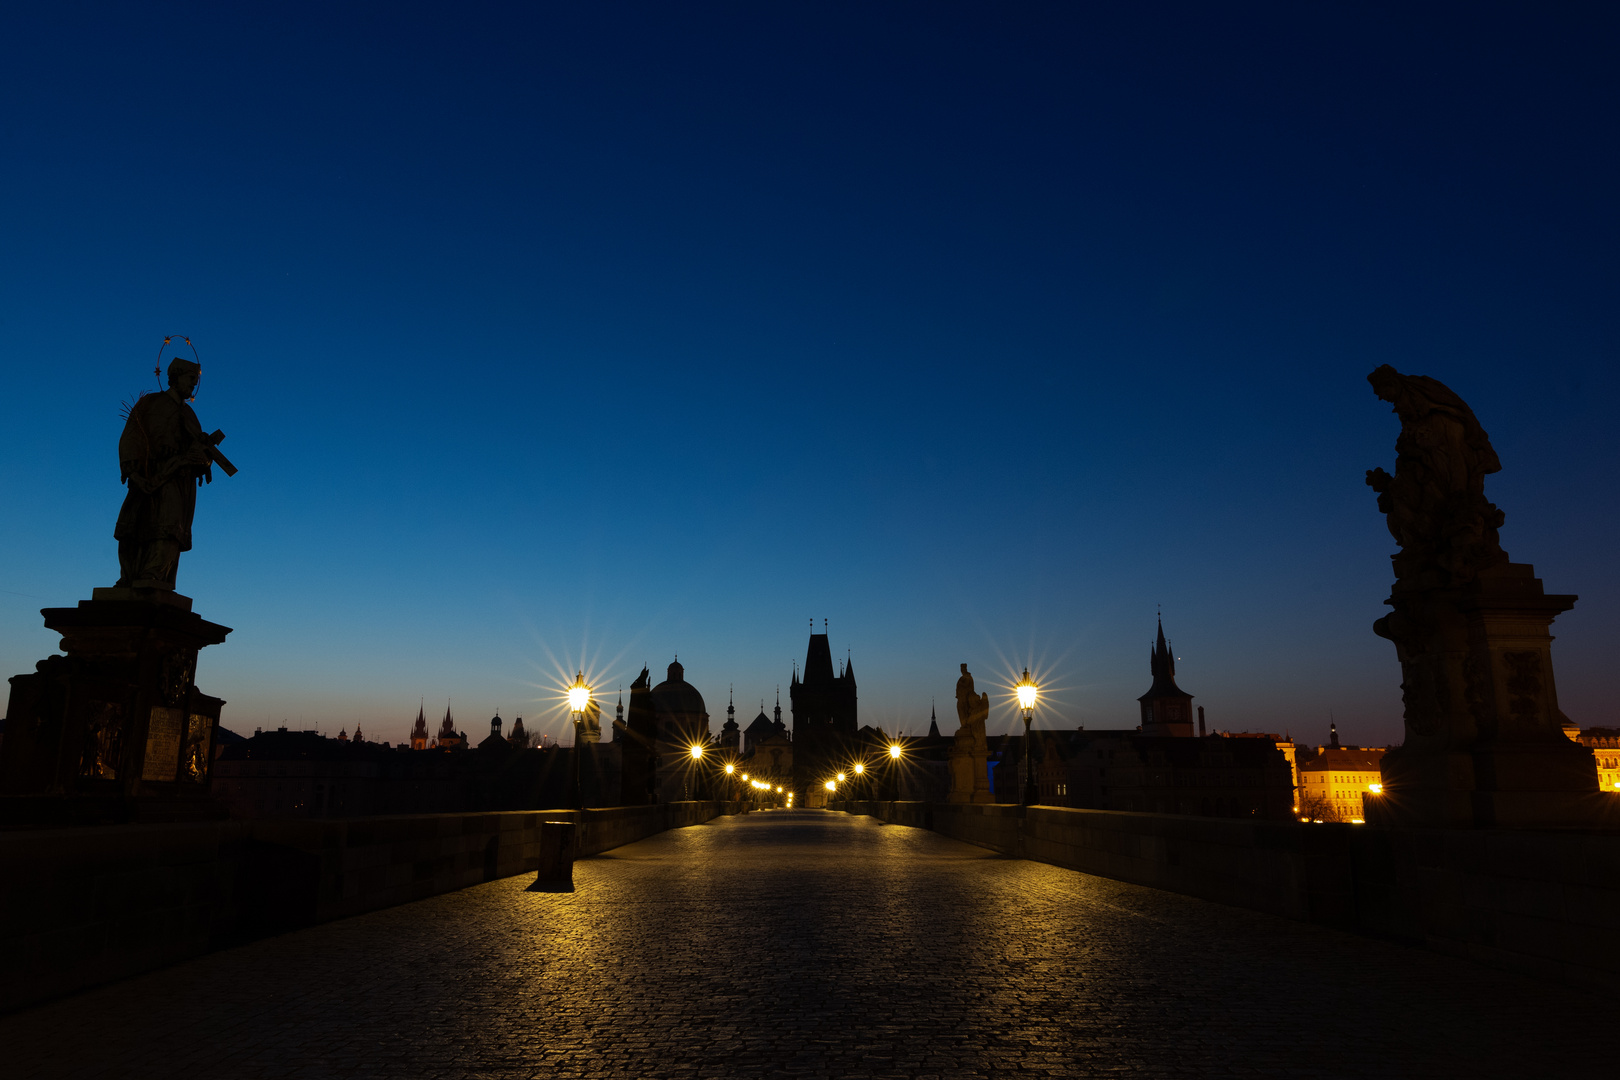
(811, 944)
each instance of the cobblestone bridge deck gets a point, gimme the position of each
(811, 944)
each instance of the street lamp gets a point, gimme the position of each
(895, 751)
(579, 699)
(696, 753)
(1026, 701)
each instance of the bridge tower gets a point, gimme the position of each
(824, 716)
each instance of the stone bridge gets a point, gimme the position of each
(815, 944)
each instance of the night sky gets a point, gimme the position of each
(550, 336)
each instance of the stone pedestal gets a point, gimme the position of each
(970, 765)
(118, 723)
(1485, 744)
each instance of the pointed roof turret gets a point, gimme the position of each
(1166, 707)
(933, 722)
(1162, 665)
(760, 728)
(818, 664)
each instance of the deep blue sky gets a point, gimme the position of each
(596, 333)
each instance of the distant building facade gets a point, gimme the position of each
(766, 749)
(302, 774)
(1335, 782)
(1604, 743)
(1163, 767)
(1215, 776)
(682, 722)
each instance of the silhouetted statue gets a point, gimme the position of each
(970, 706)
(1485, 741)
(163, 456)
(970, 753)
(1435, 503)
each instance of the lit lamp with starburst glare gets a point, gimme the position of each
(890, 775)
(1026, 701)
(579, 700)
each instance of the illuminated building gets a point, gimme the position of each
(1605, 746)
(1334, 783)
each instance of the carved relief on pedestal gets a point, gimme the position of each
(103, 741)
(174, 678)
(1524, 687)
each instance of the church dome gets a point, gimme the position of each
(677, 697)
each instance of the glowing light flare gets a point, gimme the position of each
(730, 768)
(696, 752)
(830, 786)
(1376, 789)
(579, 695)
(840, 778)
(895, 751)
(1026, 692)
(859, 768)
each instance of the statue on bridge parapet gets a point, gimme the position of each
(1484, 736)
(117, 728)
(970, 754)
(163, 456)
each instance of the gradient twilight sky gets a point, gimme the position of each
(589, 334)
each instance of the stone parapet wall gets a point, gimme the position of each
(80, 907)
(1539, 902)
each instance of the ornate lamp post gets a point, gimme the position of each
(860, 779)
(579, 699)
(892, 775)
(1026, 701)
(696, 753)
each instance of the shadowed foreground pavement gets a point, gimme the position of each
(811, 944)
